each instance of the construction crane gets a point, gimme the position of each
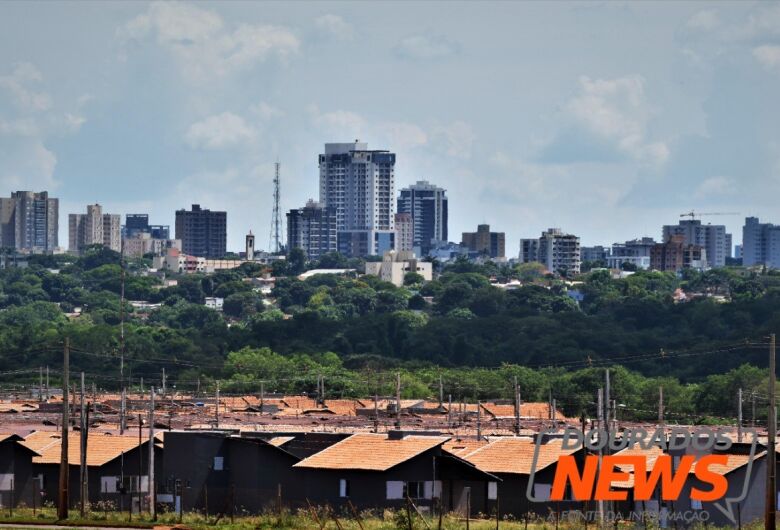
(692, 214)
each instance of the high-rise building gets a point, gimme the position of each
(636, 252)
(203, 233)
(94, 228)
(360, 187)
(675, 254)
(760, 243)
(404, 232)
(485, 242)
(529, 250)
(312, 229)
(29, 221)
(138, 223)
(559, 252)
(427, 205)
(713, 238)
(594, 253)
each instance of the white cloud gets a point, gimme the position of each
(768, 56)
(616, 110)
(265, 112)
(220, 131)
(455, 139)
(26, 163)
(335, 26)
(339, 123)
(715, 186)
(426, 47)
(401, 135)
(16, 83)
(202, 44)
(704, 20)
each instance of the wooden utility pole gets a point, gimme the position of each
(479, 420)
(62, 504)
(517, 407)
(47, 383)
(441, 393)
(122, 407)
(262, 396)
(600, 420)
(40, 384)
(398, 400)
(83, 453)
(217, 408)
(150, 481)
(449, 411)
(739, 415)
(771, 495)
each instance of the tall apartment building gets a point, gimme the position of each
(557, 251)
(635, 252)
(427, 205)
(29, 221)
(404, 232)
(760, 243)
(675, 254)
(713, 238)
(485, 242)
(138, 223)
(94, 228)
(359, 185)
(560, 252)
(529, 250)
(312, 229)
(594, 253)
(203, 233)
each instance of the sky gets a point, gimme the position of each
(606, 119)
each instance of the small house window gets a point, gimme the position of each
(6, 481)
(219, 463)
(414, 489)
(343, 488)
(108, 484)
(492, 490)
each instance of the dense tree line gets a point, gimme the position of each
(356, 330)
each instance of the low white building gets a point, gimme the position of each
(215, 303)
(395, 265)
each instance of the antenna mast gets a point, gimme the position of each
(276, 220)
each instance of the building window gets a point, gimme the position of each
(343, 488)
(219, 463)
(414, 490)
(492, 491)
(108, 484)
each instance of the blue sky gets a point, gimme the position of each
(606, 119)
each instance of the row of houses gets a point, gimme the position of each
(234, 472)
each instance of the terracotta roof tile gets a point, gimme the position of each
(514, 455)
(371, 452)
(463, 447)
(734, 462)
(101, 449)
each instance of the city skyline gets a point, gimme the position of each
(154, 107)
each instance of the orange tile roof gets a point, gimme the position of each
(299, 402)
(370, 452)
(278, 441)
(343, 407)
(462, 447)
(734, 462)
(514, 455)
(101, 449)
(651, 454)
